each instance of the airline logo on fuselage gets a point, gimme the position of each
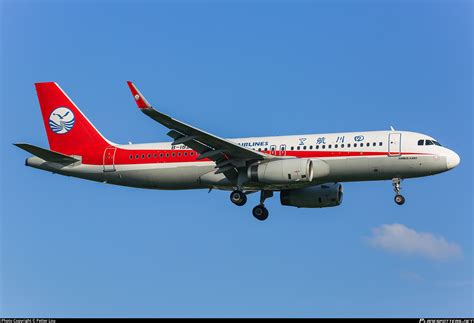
(254, 144)
(61, 120)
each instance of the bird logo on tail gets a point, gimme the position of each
(61, 120)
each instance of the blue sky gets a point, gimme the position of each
(76, 248)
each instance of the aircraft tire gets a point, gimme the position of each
(239, 198)
(260, 212)
(399, 199)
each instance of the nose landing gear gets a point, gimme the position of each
(399, 199)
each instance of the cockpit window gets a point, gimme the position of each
(427, 142)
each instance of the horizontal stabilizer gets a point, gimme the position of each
(48, 155)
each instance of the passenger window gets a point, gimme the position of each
(149, 156)
(143, 156)
(297, 147)
(161, 155)
(137, 156)
(329, 147)
(317, 146)
(348, 145)
(429, 142)
(154, 155)
(179, 154)
(292, 148)
(259, 149)
(374, 144)
(167, 155)
(335, 146)
(380, 143)
(304, 147)
(185, 153)
(173, 154)
(342, 145)
(310, 147)
(420, 142)
(324, 147)
(191, 153)
(131, 156)
(355, 145)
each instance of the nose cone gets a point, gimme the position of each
(452, 159)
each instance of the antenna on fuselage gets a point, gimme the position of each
(391, 128)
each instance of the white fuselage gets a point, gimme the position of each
(355, 156)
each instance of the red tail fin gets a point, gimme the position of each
(69, 131)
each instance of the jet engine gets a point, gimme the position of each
(288, 171)
(283, 171)
(325, 195)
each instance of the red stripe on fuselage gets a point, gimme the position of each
(150, 156)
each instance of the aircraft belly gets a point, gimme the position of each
(346, 169)
(383, 168)
(153, 176)
(170, 178)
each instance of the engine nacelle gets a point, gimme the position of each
(325, 195)
(283, 171)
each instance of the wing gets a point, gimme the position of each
(227, 155)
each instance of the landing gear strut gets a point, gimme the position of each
(260, 212)
(399, 199)
(238, 197)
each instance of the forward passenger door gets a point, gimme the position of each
(394, 144)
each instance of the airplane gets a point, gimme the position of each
(307, 170)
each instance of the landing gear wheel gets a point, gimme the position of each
(260, 212)
(396, 182)
(399, 199)
(238, 197)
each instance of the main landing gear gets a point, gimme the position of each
(238, 197)
(260, 212)
(399, 199)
